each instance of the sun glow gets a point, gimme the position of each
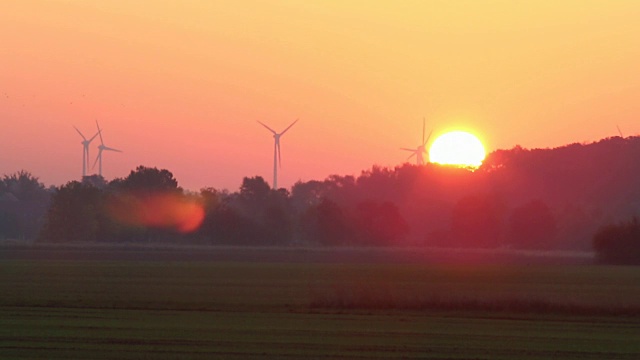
(457, 148)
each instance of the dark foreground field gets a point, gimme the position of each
(78, 305)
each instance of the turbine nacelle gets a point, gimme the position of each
(102, 147)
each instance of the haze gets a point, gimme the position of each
(180, 84)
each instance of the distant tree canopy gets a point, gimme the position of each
(23, 204)
(326, 223)
(619, 243)
(146, 205)
(532, 226)
(74, 214)
(147, 180)
(477, 221)
(529, 199)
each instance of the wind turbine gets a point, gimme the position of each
(85, 151)
(102, 148)
(277, 158)
(420, 150)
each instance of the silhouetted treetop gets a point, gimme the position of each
(146, 179)
(254, 188)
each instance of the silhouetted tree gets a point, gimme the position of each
(477, 221)
(254, 189)
(23, 204)
(277, 218)
(95, 180)
(619, 243)
(532, 226)
(223, 225)
(74, 214)
(326, 224)
(379, 224)
(307, 194)
(145, 206)
(147, 180)
(256, 215)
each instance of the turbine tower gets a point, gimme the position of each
(102, 148)
(85, 151)
(420, 150)
(277, 158)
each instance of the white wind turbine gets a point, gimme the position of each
(277, 158)
(420, 150)
(85, 151)
(102, 148)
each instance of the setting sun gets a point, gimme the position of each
(457, 148)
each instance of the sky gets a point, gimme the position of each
(181, 84)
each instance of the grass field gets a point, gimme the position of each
(105, 308)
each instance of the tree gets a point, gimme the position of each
(148, 205)
(23, 204)
(477, 221)
(148, 180)
(532, 226)
(254, 189)
(326, 223)
(618, 243)
(95, 180)
(74, 214)
(379, 223)
(306, 194)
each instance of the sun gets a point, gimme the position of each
(457, 148)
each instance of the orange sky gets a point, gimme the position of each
(180, 84)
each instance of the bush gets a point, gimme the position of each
(618, 243)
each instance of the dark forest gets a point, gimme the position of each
(540, 199)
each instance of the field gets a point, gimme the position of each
(234, 304)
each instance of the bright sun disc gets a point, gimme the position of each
(457, 148)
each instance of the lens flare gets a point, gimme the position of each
(162, 210)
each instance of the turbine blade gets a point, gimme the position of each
(279, 155)
(99, 132)
(423, 125)
(84, 138)
(110, 149)
(97, 157)
(412, 155)
(93, 137)
(428, 137)
(620, 131)
(408, 149)
(268, 128)
(289, 127)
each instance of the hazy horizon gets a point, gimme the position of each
(181, 85)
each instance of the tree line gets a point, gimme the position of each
(148, 206)
(544, 199)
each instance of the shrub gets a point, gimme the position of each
(618, 243)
